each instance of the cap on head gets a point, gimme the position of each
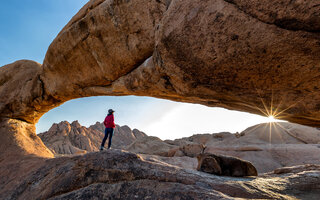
(111, 111)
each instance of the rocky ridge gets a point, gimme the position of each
(66, 138)
(267, 146)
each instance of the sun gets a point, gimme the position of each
(271, 119)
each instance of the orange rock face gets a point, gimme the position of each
(19, 139)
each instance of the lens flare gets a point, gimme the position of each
(271, 119)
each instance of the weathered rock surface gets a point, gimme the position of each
(120, 175)
(297, 15)
(216, 54)
(66, 138)
(18, 140)
(297, 169)
(184, 162)
(104, 41)
(155, 146)
(150, 145)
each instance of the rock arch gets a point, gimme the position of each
(258, 59)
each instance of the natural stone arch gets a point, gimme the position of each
(216, 53)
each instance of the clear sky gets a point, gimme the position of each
(27, 29)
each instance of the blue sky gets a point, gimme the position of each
(29, 26)
(27, 29)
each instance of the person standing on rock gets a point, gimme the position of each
(109, 124)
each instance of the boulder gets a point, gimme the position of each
(192, 150)
(297, 169)
(151, 145)
(225, 165)
(178, 153)
(184, 162)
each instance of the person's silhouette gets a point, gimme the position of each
(109, 124)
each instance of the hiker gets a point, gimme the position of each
(109, 124)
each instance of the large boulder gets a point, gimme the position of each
(225, 165)
(150, 145)
(192, 150)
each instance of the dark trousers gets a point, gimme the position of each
(107, 132)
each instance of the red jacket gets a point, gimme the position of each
(109, 122)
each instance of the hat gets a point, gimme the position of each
(110, 111)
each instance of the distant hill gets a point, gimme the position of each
(268, 146)
(66, 138)
(280, 133)
(272, 145)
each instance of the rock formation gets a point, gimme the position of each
(122, 175)
(65, 138)
(225, 165)
(260, 57)
(26, 142)
(267, 146)
(296, 169)
(150, 145)
(234, 55)
(271, 146)
(241, 57)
